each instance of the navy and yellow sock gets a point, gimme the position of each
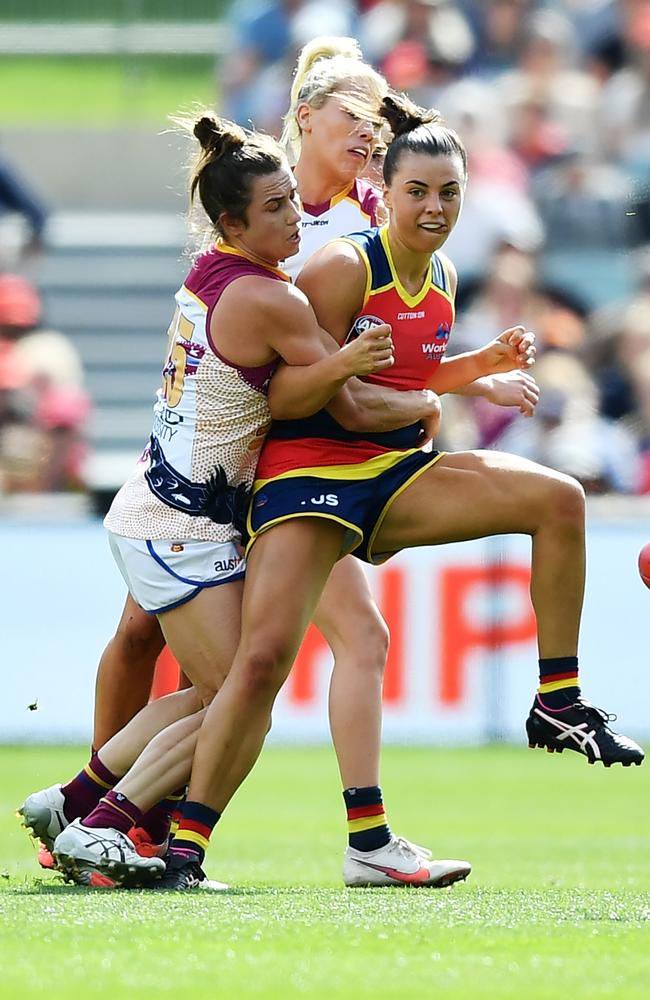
(367, 826)
(558, 682)
(193, 835)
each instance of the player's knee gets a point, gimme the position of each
(140, 635)
(568, 503)
(364, 640)
(376, 640)
(264, 670)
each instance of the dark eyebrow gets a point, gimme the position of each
(421, 183)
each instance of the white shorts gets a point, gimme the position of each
(161, 575)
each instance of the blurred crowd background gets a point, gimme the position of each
(552, 99)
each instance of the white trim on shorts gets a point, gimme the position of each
(162, 575)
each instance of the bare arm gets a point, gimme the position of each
(513, 349)
(301, 390)
(515, 388)
(257, 320)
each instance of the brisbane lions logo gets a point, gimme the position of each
(360, 325)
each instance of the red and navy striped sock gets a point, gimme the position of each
(114, 811)
(558, 682)
(367, 826)
(194, 830)
(85, 790)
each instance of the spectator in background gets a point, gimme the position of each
(267, 38)
(585, 203)
(569, 433)
(551, 99)
(499, 26)
(43, 405)
(624, 124)
(498, 208)
(15, 196)
(420, 45)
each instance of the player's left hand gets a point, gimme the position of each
(514, 349)
(514, 388)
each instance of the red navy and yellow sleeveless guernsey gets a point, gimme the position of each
(314, 467)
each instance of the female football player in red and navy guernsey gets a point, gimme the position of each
(321, 493)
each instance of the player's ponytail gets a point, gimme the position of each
(326, 66)
(228, 159)
(418, 130)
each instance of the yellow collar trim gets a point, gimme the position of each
(224, 247)
(407, 298)
(341, 196)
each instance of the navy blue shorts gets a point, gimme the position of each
(355, 496)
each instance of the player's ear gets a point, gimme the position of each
(303, 117)
(385, 195)
(230, 225)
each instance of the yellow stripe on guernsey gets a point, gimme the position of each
(360, 470)
(93, 777)
(194, 837)
(367, 823)
(364, 257)
(558, 685)
(198, 301)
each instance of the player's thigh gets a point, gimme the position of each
(347, 613)
(472, 495)
(286, 572)
(203, 634)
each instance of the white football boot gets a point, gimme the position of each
(82, 852)
(400, 863)
(43, 815)
(212, 885)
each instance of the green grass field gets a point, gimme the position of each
(558, 904)
(101, 91)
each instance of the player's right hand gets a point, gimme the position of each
(370, 352)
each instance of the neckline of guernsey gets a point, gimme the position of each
(224, 247)
(404, 294)
(323, 206)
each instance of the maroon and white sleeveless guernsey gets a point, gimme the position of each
(350, 211)
(210, 418)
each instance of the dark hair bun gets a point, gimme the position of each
(404, 116)
(218, 137)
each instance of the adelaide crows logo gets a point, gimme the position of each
(360, 325)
